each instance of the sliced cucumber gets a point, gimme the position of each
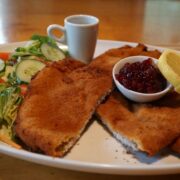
(25, 69)
(52, 53)
(8, 70)
(2, 65)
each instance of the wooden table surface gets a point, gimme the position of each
(155, 22)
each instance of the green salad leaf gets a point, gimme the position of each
(44, 39)
(10, 99)
(2, 87)
(12, 79)
(33, 47)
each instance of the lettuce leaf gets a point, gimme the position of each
(10, 100)
(44, 39)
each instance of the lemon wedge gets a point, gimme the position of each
(169, 65)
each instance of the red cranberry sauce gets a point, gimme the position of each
(141, 77)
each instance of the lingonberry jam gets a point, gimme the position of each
(142, 77)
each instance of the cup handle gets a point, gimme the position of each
(59, 27)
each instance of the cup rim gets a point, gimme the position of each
(96, 20)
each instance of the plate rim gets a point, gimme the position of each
(77, 165)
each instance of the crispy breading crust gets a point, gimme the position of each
(150, 127)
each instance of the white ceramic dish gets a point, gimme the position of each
(132, 95)
(97, 151)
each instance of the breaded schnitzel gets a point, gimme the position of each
(36, 123)
(147, 127)
(59, 105)
(142, 125)
(62, 99)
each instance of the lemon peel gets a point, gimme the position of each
(169, 65)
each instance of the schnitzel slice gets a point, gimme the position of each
(145, 127)
(59, 105)
(62, 99)
(35, 124)
(143, 113)
(108, 59)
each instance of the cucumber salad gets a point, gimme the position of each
(16, 70)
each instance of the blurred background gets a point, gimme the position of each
(148, 21)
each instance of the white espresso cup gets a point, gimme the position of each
(80, 35)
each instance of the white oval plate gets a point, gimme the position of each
(97, 151)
